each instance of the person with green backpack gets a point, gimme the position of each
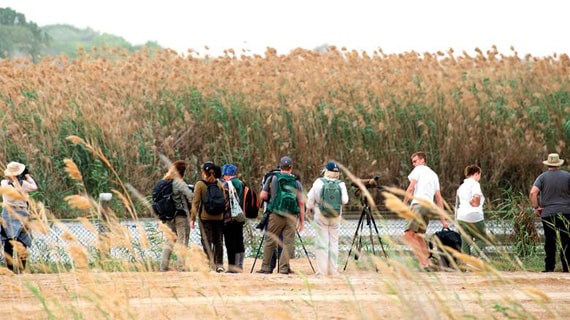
(325, 200)
(285, 206)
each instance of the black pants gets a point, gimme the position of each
(16, 266)
(213, 241)
(233, 238)
(561, 224)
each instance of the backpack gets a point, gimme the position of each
(285, 200)
(331, 198)
(250, 204)
(214, 203)
(448, 238)
(162, 202)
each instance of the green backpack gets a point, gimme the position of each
(331, 198)
(285, 200)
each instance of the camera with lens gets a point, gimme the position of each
(22, 175)
(367, 183)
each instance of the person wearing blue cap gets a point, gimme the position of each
(233, 230)
(325, 200)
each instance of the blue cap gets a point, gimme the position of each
(229, 170)
(331, 166)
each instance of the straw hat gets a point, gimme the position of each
(553, 160)
(14, 169)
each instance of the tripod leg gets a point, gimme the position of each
(305, 249)
(379, 238)
(257, 254)
(353, 239)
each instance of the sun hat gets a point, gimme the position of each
(331, 166)
(14, 169)
(229, 170)
(285, 162)
(553, 160)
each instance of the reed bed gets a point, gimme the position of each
(369, 111)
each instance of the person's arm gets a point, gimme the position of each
(476, 200)
(534, 191)
(344, 193)
(29, 184)
(410, 191)
(196, 202)
(301, 203)
(264, 195)
(439, 203)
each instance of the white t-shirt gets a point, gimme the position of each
(427, 183)
(465, 193)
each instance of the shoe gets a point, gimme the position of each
(428, 269)
(287, 272)
(219, 269)
(263, 271)
(547, 270)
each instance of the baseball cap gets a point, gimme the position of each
(229, 170)
(208, 166)
(331, 166)
(285, 162)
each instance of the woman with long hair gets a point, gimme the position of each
(179, 225)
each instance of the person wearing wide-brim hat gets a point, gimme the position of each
(550, 200)
(15, 213)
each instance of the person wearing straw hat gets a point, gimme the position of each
(15, 235)
(550, 200)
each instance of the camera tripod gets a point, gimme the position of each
(277, 251)
(366, 212)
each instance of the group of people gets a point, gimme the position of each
(285, 206)
(215, 226)
(549, 196)
(285, 209)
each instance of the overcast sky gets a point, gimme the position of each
(536, 27)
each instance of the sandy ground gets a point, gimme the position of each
(393, 292)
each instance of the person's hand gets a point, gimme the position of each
(309, 214)
(301, 225)
(445, 224)
(538, 211)
(192, 225)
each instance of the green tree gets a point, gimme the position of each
(19, 38)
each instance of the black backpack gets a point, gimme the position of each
(214, 202)
(162, 202)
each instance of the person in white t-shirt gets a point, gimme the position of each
(424, 184)
(469, 213)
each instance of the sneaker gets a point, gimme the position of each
(263, 271)
(219, 269)
(547, 270)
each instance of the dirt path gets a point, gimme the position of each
(391, 293)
